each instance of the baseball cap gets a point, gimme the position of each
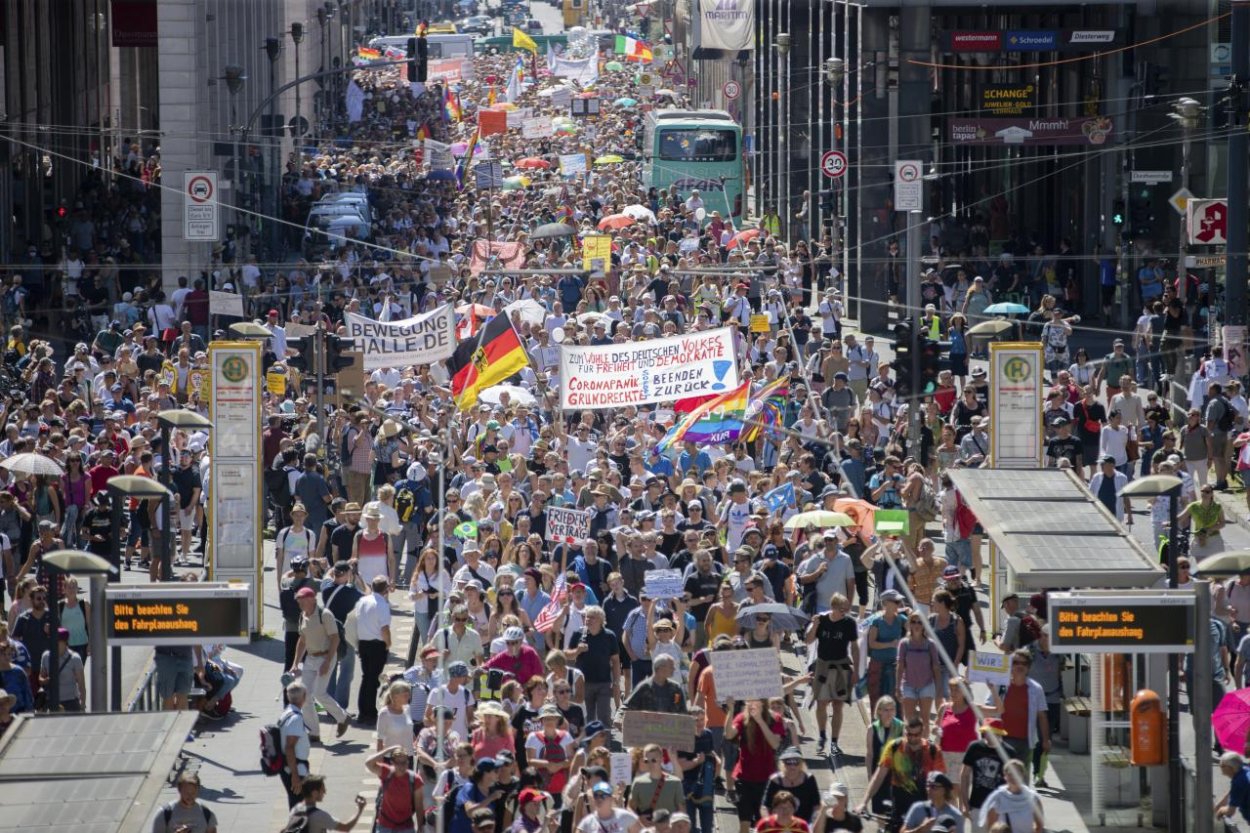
(458, 669)
(593, 728)
(938, 779)
(485, 765)
(791, 754)
(837, 788)
(891, 596)
(306, 593)
(601, 789)
(950, 572)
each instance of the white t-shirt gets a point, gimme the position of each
(534, 745)
(622, 821)
(394, 729)
(458, 702)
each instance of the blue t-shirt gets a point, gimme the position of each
(889, 498)
(1239, 792)
(460, 821)
(886, 633)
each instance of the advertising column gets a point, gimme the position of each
(234, 496)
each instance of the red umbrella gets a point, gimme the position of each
(533, 163)
(743, 237)
(616, 221)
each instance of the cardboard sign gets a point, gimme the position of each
(622, 769)
(567, 525)
(663, 584)
(517, 117)
(752, 674)
(560, 97)
(670, 731)
(488, 175)
(990, 667)
(275, 382)
(537, 128)
(760, 323)
(225, 303)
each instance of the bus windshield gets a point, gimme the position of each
(694, 145)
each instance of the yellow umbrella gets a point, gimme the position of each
(987, 329)
(610, 159)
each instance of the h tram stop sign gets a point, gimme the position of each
(1122, 621)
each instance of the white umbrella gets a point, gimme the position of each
(589, 319)
(640, 213)
(516, 395)
(35, 464)
(531, 311)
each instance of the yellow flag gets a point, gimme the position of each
(520, 40)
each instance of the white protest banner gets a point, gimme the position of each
(572, 164)
(567, 525)
(537, 128)
(662, 584)
(584, 71)
(225, 303)
(990, 667)
(517, 117)
(438, 154)
(561, 97)
(645, 372)
(622, 768)
(752, 674)
(449, 69)
(725, 24)
(421, 340)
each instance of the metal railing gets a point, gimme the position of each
(144, 697)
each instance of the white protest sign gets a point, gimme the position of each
(645, 372)
(622, 768)
(567, 525)
(537, 128)
(488, 175)
(572, 164)
(663, 584)
(518, 116)
(438, 154)
(225, 303)
(421, 340)
(752, 674)
(991, 667)
(561, 97)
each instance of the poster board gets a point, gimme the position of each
(990, 667)
(671, 731)
(663, 584)
(750, 674)
(566, 526)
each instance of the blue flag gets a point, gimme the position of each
(780, 498)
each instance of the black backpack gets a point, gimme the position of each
(297, 822)
(167, 813)
(345, 446)
(1227, 416)
(279, 484)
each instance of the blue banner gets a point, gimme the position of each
(1030, 40)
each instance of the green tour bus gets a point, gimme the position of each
(696, 150)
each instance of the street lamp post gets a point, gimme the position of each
(297, 37)
(835, 70)
(169, 420)
(1185, 111)
(234, 78)
(124, 486)
(782, 43)
(1166, 485)
(70, 562)
(273, 199)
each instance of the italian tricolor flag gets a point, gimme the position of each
(632, 48)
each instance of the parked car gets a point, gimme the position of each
(480, 25)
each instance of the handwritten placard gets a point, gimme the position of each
(663, 584)
(622, 768)
(990, 667)
(671, 731)
(760, 323)
(565, 526)
(751, 674)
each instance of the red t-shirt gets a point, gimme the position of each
(397, 809)
(100, 476)
(1016, 711)
(758, 761)
(769, 824)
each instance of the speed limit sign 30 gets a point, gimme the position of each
(731, 90)
(833, 163)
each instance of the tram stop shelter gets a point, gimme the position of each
(1047, 531)
(90, 773)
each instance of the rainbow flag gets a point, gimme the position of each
(451, 107)
(764, 411)
(466, 161)
(367, 54)
(718, 420)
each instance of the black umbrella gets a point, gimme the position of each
(552, 230)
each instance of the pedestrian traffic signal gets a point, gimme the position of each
(930, 361)
(904, 342)
(412, 59)
(303, 358)
(1117, 214)
(337, 353)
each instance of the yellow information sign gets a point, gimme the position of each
(759, 323)
(596, 252)
(275, 382)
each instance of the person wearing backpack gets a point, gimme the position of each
(1220, 418)
(315, 656)
(400, 806)
(307, 817)
(188, 814)
(291, 583)
(292, 744)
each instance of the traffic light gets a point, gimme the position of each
(418, 59)
(412, 59)
(904, 386)
(1117, 214)
(303, 359)
(930, 361)
(337, 357)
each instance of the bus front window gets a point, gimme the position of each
(698, 146)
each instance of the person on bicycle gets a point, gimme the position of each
(907, 762)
